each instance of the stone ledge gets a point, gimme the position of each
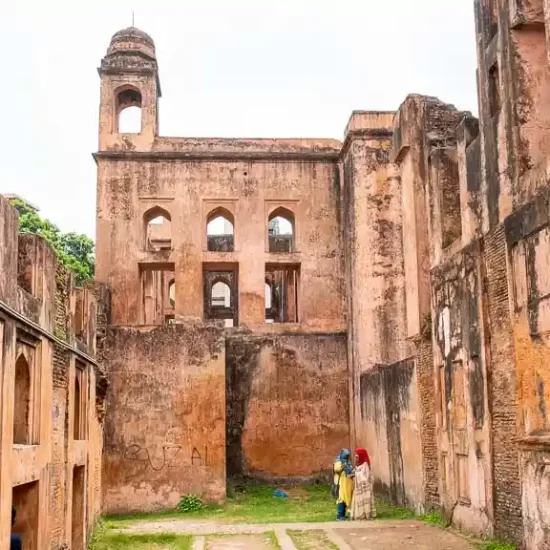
(534, 442)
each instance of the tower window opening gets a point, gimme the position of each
(129, 111)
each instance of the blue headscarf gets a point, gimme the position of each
(344, 455)
(344, 458)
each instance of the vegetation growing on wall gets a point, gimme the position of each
(74, 251)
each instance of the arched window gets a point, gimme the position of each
(221, 295)
(22, 402)
(220, 231)
(128, 110)
(158, 231)
(281, 230)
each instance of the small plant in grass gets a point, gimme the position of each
(495, 545)
(190, 503)
(434, 518)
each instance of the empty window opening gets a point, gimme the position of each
(158, 230)
(220, 291)
(220, 231)
(26, 515)
(158, 294)
(79, 404)
(281, 231)
(129, 111)
(22, 403)
(221, 295)
(172, 294)
(281, 294)
(78, 509)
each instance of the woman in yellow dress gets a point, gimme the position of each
(343, 480)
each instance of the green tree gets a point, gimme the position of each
(73, 250)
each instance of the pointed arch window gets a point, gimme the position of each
(220, 231)
(157, 229)
(281, 230)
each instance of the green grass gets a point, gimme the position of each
(307, 504)
(272, 537)
(253, 505)
(385, 510)
(105, 540)
(495, 545)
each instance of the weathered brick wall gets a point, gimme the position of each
(502, 383)
(428, 436)
(165, 423)
(59, 504)
(287, 404)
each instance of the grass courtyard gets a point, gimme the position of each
(250, 505)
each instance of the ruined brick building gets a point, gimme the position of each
(52, 394)
(273, 300)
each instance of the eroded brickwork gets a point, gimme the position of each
(507, 491)
(428, 434)
(39, 358)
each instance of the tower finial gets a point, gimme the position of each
(133, 18)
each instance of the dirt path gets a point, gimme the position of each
(371, 535)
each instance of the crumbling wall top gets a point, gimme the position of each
(423, 117)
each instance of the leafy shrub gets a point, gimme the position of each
(190, 503)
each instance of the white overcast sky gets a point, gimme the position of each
(239, 68)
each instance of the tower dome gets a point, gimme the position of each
(132, 40)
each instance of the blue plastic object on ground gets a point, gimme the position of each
(280, 494)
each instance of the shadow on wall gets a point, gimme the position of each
(388, 413)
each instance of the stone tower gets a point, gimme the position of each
(129, 78)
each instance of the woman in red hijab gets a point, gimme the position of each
(362, 505)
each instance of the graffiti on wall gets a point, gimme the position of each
(166, 456)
